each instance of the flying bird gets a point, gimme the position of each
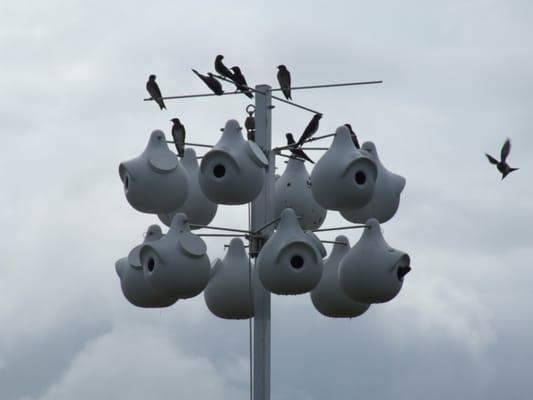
(155, 93)
(222, 69)
(310, 129)
(353, 136)
(502, 165)
(211, 82)
(240, 82)
(284, 79)
(178, 133)
(295, 150)
(249, 124)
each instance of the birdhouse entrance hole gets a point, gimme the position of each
(360, 177)
(151, 264)
(219, 171)
(297, 261)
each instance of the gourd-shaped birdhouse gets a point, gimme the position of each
(154, 182)
(386, 198)
(198, 208)
(293, 190)
(134, 286)
(233, 171)
(289, 262)
(177, 264)
(228, 293)
(372, 271)
(328, 297)
(344, 177)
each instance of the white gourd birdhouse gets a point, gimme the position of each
(328, 297)
(386, 198)
(177, 264)
(134, 286)
(154, 182)
(372, 271)
(290, 261)
(198, 208)
(228, 294)
(233, 171)
(344, 177)
(293, 190)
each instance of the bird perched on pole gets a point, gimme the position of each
(249, 124)
(502, 165)
(310, 129)
(222, 69)
(353, 136)
(295, 150)
(284, 79)
(155, 93)
(240, 82)
(211, 82)
(178, 134)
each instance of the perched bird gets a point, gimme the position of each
(353, 135)
(178, 133)
(154, 91)
(222, 69)
(502, 165)
(240, 82)
(284, 79)
(211, 82)
(310, 129)
(295, 150)
(249, 124)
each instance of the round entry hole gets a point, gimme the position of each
(151, 264)
(297, 261)
(219, 171)
(360, 177)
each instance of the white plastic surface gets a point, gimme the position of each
(154, 182)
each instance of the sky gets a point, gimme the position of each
(457, 82)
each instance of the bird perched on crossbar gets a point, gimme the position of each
(211, 82)
(178, 134)
(310, 129)
(284, 79)
(155, 92)
(295, 149)
(502, 165)
(240, 82)
(222, 69)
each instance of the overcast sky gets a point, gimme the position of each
(457, 82)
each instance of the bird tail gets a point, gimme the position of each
(249, 94)
(161, 104)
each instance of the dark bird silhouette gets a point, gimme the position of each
(296, 150)
(178, 134)
(249, 124)
(353, 136)
(211, 82)
(222, 69)
(240, 82)
(284, 79)
(502, 165)
(155, 93)
(310, 129)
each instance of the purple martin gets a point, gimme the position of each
(353, 136)
(502, 165)
(310, 129)
(240, 82)
(222, 69)
(211, 82)
(284, 79)
(249, 124)
(295, 150)
(178, 133)
(154, 91)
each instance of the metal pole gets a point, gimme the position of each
(262, 214)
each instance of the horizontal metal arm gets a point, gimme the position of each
(222, 235)
(220, 228)
(333, 242)
(328, 85)
(340, 228)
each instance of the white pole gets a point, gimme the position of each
(262, 213)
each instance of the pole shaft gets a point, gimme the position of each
(262, 214)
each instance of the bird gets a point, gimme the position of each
(353, 136)
(240, 82)
(284, 79)
(249, 124)
(155, 93)
(295, 149)
(211, 82)
(502, 165)
(222, 69)
(178, 133)
(310, 129)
